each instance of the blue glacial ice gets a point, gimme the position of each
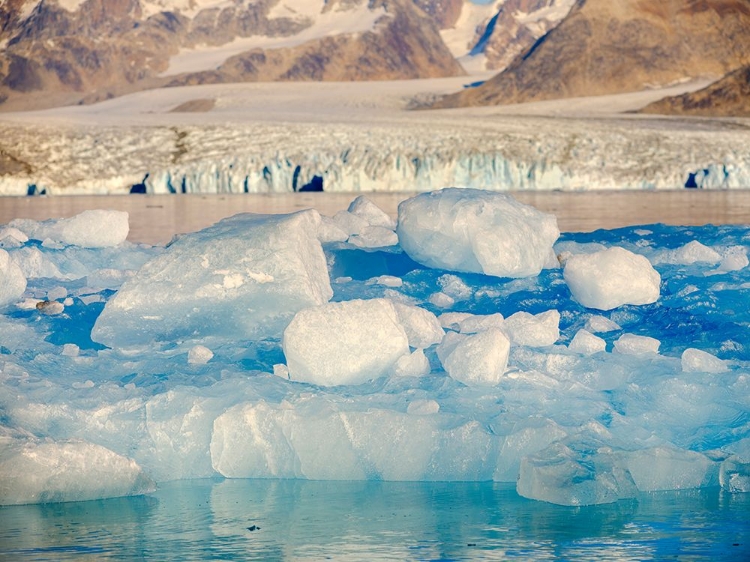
(302, 346)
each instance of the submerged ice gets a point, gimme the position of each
(451, 345)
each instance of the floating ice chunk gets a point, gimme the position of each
(630, 344)
(476, 231)
(199, 355)
(108, 278)
(531, 330)
(586, 343)
(666, 468)
(90, 229)
(12, 237)
(734, 259)
(347, 342)
(479, 322)
(422, 327)
(695, 360)
(479, 359)
(690, 253)
(611, 278)
(386, 281)
(452, 320)
(575, 473)
(71, 350)
(734, 475)
(374, 237)
(68, 471)
(371, 213)
(441, 300)
(599, 324)
(527, 437)
(57, 293)
(244, 277)
(281, 370)
(329, 231)
(413, 365)
(455, 288)
(422, 407)
(349, 223)
(12, 280)
(50, 308)
(35, 264)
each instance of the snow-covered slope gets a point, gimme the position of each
(357, 137)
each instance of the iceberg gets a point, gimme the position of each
(476, 231)
(271, 346)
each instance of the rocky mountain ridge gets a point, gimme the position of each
(87, 50)
(604, 47)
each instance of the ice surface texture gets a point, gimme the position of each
(250, 349)
(240, 279)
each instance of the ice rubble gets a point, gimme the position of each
(231, 353)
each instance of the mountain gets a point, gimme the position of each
(727, 97)
(77, 51)
(615, 46)
(489, 36)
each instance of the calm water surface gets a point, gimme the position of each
(301, 520)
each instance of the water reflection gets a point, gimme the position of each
(300, 520)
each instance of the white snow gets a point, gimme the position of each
(473, 231)
(344, 342)
(336, 21)
(612, 278)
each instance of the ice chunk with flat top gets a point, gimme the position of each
(476, 231)
(347, 342)
(12, 280)
(533, 330)
(575, 472)
(631, 344)
(242, 278)
(422, 327)
(586, 343)
(96, 228)
(695, 360)
(668, 468)
(479, 359)
(611, 278)
(67, 471)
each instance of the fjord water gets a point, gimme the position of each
(307, 520)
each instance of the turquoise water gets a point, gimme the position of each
(304, 520)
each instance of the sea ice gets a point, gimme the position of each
(631, 344)
(89, 229)
(695, 360)
(242, 278)
(476, 231)
(69, 471)
(667, 468)
(478, 359)
(611, 278)
(12, 280)
(345, 342)
(586, 343)
(532, 330)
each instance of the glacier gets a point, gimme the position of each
(382, 369)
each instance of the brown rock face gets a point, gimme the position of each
(108, 47)
(614, 46)
(728, 97)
